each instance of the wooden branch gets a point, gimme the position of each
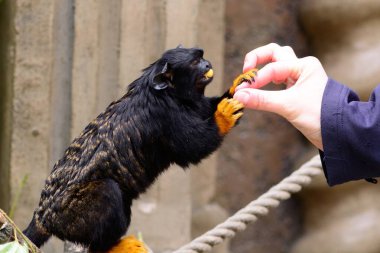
(4, 219)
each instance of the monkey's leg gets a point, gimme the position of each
(92, 214)
(129, 244)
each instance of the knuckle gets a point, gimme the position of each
(311, 59)
(260, 102)
(248, 56)
(312, 62)
(274, 45)
(288, 49)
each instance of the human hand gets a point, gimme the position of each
(300, 103)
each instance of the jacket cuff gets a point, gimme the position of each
(332, 158)
(337, 168)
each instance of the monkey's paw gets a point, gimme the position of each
(129, 244)
(228, 112)
(248, 76)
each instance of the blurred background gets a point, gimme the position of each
(63, 61)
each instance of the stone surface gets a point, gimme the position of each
(148, 40)
(63, 35)
(207, 217)
(85, 65)
(31, 105)
(210, 37)
(343, 218)
(162, 215)
(66, 65)
(31, 102)
(72, 58)
(343, 38)
(340, 219)
(263, 148)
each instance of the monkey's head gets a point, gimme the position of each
(183, 71)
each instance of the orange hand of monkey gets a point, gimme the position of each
(229, 110)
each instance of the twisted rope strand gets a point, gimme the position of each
(258, 207)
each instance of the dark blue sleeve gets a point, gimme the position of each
(350, 134)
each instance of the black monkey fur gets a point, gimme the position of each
(164, 118)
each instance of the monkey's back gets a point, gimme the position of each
(113, 146)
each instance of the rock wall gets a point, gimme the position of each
(64, 61)
(343, 34)
(264, 147)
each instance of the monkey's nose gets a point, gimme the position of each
(206, 65)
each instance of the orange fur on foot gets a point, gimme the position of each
(129, 244)
(227, 114)
(248, 76)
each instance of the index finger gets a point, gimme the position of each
(259, 56)
(277, 72)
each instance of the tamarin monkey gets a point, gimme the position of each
(164, 118)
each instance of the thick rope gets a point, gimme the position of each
(258, 207)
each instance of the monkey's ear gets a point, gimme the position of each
(179, 46)
(163, 79)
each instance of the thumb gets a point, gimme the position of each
(263, 100)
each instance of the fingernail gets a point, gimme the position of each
(242, 96)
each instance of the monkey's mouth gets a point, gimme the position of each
(203, 81)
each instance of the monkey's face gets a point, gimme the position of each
(185, 71)
(199, 70)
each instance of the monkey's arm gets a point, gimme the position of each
(228, 110)
(227, 114)
(248, 76)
